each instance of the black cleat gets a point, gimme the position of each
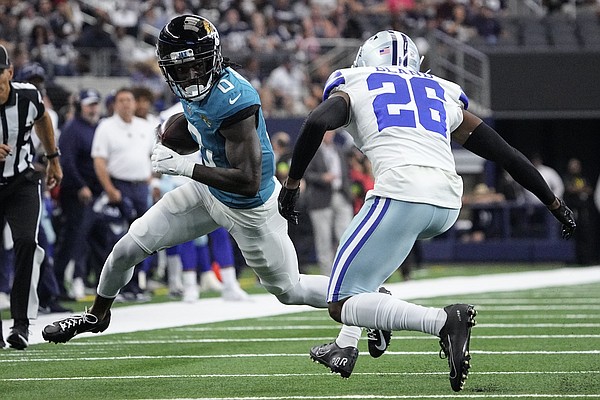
(340, 361)
(379, 340)
(454, 341)
(63, 330)
(19, 335)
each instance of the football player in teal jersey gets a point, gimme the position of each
(234, 186)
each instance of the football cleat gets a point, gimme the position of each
(454, 342)
(63, 330)
(19, 335)
(339, 360)
(378, 339)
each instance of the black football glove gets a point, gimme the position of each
(564, 215)
(287, 204)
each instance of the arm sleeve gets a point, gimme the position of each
(330, 114)
(487, 143)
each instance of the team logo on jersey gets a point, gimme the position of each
(205, 119)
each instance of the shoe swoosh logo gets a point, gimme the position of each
(380, 342)
(453, 370)
(234, 99)
(321, 352)
(165, 158)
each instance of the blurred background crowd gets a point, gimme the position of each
(272, 40)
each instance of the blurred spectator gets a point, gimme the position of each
(307, 42)
(147, 74)
(287, 83)
(233, 32)
(281, 148)
(109, 105)
(178, 7)
(251, 70)
(154, 16)
(79, 229)
(64, 23)
(322, 26)
(45, 9)
(9, 28)
(412, 261)
(328, 194)
(97, 48)
(57, 56)
(554, 180)
(144, 105)
(459, 25)
(483, 201)
(260, 39)
(27, 19)
(125, 13)
(579, 196)
(487, 24)
(361, 177)
(121, 151)
(35, 74)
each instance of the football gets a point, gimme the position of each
(175, 135)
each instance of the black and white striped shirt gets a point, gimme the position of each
(17, 116)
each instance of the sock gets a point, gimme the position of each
(348, 336)
(229, 278)
(174, 268)
(382, 311)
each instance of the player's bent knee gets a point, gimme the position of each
(128, 252)
(289, 298)
(335, 311)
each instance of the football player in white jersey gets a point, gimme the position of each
(403, 120)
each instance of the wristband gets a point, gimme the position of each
(53, 155)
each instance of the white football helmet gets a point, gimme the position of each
(387, 48)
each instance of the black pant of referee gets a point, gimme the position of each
(20, 207)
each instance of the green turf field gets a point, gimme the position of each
(537, 344)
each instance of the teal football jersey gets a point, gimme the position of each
(230, 100)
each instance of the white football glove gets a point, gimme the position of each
(166, 161)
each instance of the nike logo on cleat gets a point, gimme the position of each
(321, 352)
(380, 342)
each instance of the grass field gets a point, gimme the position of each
(537, 344)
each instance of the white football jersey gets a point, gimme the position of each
(402, 120)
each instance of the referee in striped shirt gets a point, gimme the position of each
(21, 108)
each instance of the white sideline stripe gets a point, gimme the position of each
(170, 340)
(334, 326)
(488, 316)
(172, 314)
(177, 376)
(25, 358)
(369, 396)
(536, 301)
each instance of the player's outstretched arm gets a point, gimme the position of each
(330, 114)
(479, 138)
